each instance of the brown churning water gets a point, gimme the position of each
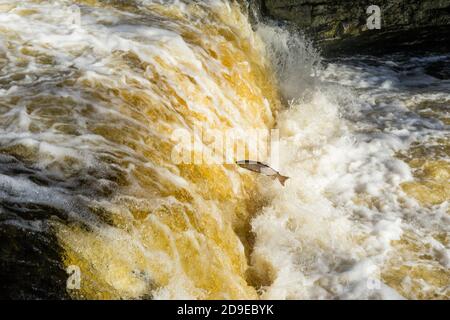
(87, 110)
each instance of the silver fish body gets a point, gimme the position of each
(262, 168)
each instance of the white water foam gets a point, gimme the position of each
(316, 239)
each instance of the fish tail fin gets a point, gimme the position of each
(282, 179)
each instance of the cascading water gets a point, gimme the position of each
(87, 114)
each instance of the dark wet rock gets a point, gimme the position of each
(419, 41)
(30, 264)
(439, 69)
(339, 27)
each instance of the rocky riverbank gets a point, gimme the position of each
(339, 27)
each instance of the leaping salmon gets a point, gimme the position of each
(260, 167)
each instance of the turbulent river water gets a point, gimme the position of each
(90, 96)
